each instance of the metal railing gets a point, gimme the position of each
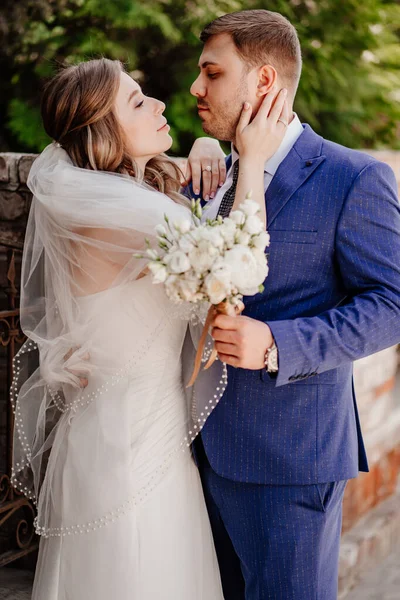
(17, 535)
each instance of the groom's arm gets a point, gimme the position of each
(368, 251)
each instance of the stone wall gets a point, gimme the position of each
(14, 208)
(378, 393)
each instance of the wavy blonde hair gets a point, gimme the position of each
(78, 112)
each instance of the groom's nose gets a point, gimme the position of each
(197, 88)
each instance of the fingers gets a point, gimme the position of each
(212, 180)
(206, 182)
(215, 177)
(285, 114)
(195, 169)
(265, 107)
(224, 335)
(277, 108)
(70, 353)
(83, 382)
(226, 349)
(225, 322)
(222, 171)
(245, 117)
(229, 360)
(188, 174)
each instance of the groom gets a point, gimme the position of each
(277, 451)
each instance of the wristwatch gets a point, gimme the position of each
(271, 359)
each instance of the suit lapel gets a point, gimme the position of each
(301, 162)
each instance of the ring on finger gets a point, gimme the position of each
(207, 168)
(284, 122)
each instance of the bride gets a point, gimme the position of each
(119, 501)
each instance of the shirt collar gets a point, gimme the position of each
(293, 132)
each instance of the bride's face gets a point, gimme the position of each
(142, 120)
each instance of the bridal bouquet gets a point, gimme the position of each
(218, 262)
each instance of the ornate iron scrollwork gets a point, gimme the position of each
(16, 512)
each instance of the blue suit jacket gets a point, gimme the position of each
(332, 296)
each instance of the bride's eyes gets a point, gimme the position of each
(140, 104)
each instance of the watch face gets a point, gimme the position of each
(271, 359)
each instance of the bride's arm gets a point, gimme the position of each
(100, 256)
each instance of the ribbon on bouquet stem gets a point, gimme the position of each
(223, 308)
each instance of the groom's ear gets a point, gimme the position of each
(267, 80)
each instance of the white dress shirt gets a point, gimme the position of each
(293, 132)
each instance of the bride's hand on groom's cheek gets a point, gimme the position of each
(206, 167)
(241, 341)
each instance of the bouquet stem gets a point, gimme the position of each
(223, 308)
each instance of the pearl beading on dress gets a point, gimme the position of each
(27, 347)
(155, 478)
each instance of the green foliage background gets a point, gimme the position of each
(349, 92)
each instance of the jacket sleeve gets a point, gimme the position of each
(368, 254)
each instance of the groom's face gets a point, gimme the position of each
(223, 85)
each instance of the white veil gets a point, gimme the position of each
(85, 308)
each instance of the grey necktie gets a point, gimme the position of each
(229, 196)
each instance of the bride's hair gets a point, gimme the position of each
(78, 113)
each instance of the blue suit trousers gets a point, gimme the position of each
(274, 542)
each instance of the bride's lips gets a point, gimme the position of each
(164, 127)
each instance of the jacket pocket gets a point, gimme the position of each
(293, 237)
(328, 492)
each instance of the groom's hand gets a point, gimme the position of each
(241, 341)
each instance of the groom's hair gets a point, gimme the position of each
(262, 37)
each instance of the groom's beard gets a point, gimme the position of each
(220, 121)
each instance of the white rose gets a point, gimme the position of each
(213, 235)
(247, 273)
(259, 255)
(238, 217)
(186, 244)
(197, 233)
(253, 225)
(249, 207)
(262, 240)
(182, 225)
(177, 262)
(203, 257)
(172, 288)
(242, 237)
(227, 230)
(158, 271)
(188, 288)
(217, 285)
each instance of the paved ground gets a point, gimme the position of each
(15, 584)
(381, 584)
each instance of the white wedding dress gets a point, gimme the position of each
(156, 543)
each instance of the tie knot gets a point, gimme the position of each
(229, 196)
